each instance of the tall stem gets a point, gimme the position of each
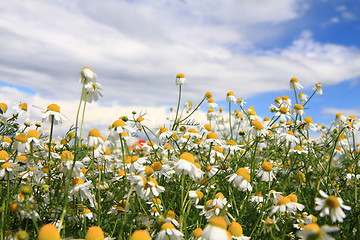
(177, 110)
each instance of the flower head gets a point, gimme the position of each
(180, 79)
(332, 206)
(48, 232)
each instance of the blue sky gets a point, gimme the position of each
(137, 47)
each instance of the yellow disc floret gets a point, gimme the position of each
(48, 232)
(94, 233)
(53, 107)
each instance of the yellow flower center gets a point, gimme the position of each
(285, 97)
(94, 133)
(231, 142)
(283, 200)
(197, 232)
(157, 166)
(66, 156)
(121, 173)
(33, 134)
(149, 171)
(94, 233)
(235, 229)
(298, 106)
(140, 119)
(211, 135)
(207, 127)
(5, 165)
(208, 95)
(294, 80)
(170, 214)
(267, 166)
(313, 226)
(48, 232)
(4, 155)
(219, 194)
(180, 75)
(290, 133)
(269, 221)
(293, 197)
(23, 106)
(258, 194)
(6, 139)
(77, 181)
(167, 226)
(118, 123)
(318, 85)
(218, 222)
(298, 148)
(53, 107)
(231, 93)
(283, 110)
(219, 149)
(21, 137)
(257, 125)
(140, 235)
(3, 107)
(244, 173)
(163, 129)
(332, 202)
(199, 194)
(300, 177)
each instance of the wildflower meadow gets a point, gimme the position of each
(235, 176)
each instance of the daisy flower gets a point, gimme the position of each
(294, 84)
(230, 97)
(140, 235)
(81, 190)
(211, 103)
(215, 230)
(303, 97)
(186, 165)
(53, 113)
(48, 232)
(269, 223)
(241, 179)
(284, 204)
(180, 79)
(92, 91)
(94, 138)
(168, 231)
(236, 231)
(313, 231)
(332, 206)
(21, 142)
(196, 234)
(266, 172)
(299, 109)
(87, 75)
(318, 89)
(195, 196)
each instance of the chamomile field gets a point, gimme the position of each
(236, 175)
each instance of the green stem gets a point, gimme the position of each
(177, 110)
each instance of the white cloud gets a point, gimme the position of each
(331, 111)
(137, 48)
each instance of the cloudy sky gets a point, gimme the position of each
(137, 47)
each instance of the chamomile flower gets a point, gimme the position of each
(294, 84)
(48, 232)
(332, 206)
(241, 180)
(186, 165)
(93, 91)
(269, 223)
(94, 138)
(52, 113)
(303, 97)
(215, 230)
(21, 142)
(211, 103)
(140, 235)
(313, 231)
(168, 231)
(195, 196)
(80, 190)
(230, 97)
(87, 75)
(266, 172)
(180, 79)
(285, 205)
(236, 231)
(318, 89)
(299, 109)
